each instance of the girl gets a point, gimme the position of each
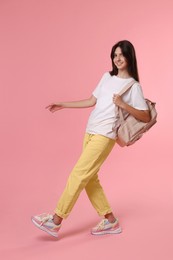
(99, 140)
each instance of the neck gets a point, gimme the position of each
(123, 74)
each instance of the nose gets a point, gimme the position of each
(117, 58)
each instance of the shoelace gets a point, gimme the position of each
(45, 219)
(101, 224)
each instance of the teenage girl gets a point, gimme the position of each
(99, 140)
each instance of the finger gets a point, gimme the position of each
(49, 106)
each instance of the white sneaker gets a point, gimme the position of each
(106, 227)
(45, 223)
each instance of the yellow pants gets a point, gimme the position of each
(84, 175)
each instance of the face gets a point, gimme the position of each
(119, 60)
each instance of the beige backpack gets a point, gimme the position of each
(132, 129)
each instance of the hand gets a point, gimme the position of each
(54, 107)
(117, 100)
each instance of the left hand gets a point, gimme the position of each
(117, 100)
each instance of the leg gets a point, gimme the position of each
(98, 199)
(96, 150)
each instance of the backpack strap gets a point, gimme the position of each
(127, 87)
(122, 92)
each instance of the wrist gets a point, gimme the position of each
(59, 104)
(123, 105)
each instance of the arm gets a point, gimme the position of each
(142, 115)
(90, 102)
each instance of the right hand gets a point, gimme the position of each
(54, 107)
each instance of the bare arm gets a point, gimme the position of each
(90, 102)
(142, 115)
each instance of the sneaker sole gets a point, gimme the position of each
(44, 229)
(104, 232)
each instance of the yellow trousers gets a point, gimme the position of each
(84, 175)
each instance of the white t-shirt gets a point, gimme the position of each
(104, 117)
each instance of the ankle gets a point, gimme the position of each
(110, 217)
(57, 220)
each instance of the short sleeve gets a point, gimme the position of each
(97, 89)
(137, 97)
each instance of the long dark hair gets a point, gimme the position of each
(128, 52)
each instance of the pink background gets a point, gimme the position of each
(58, 50)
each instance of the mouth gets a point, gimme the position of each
(119, 64)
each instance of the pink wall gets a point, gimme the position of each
(57, 50)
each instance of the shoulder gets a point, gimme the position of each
(137, 89)
(104, 78)
(106, 75)
(136, 85)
